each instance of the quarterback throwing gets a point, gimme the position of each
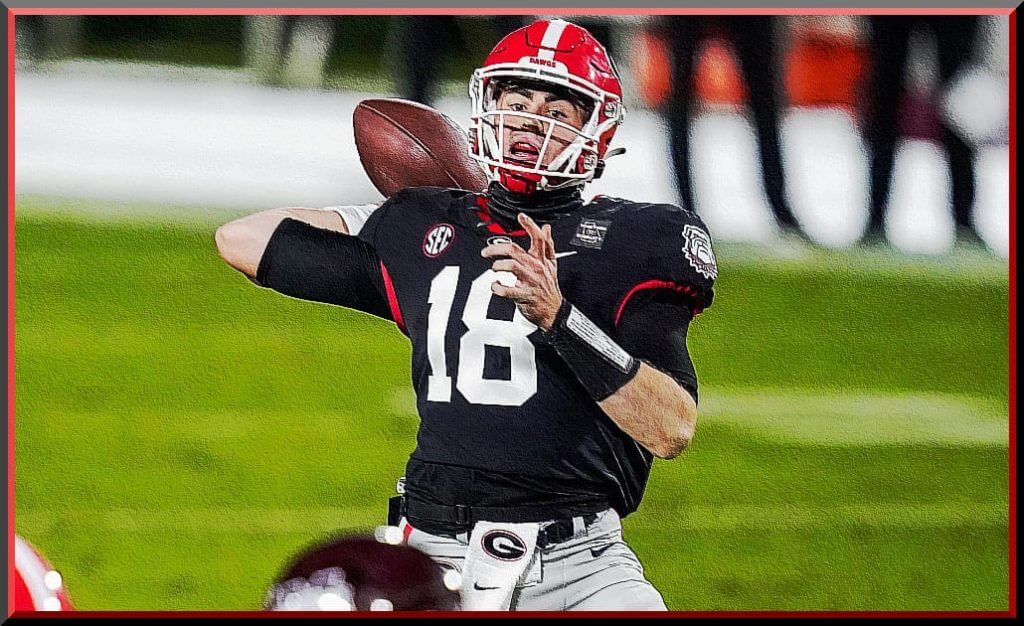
(548, 334)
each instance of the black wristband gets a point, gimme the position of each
(600, 364)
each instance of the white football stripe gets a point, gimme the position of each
(550, 39)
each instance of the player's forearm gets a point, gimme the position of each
(655, 410)
(647, 404)
(241, 243)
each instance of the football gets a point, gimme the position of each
(405, 144)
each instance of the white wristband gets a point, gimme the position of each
(355, 215)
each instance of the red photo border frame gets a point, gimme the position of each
(1012, 526)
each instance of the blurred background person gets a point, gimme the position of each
(52, 37)
(426, 42)
(361, 573)
(954, 38)
(754, 40)
(288, 50)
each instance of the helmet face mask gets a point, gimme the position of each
(555, 144)
(559, 154)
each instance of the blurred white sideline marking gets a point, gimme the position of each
(859, 418)
(844, 419)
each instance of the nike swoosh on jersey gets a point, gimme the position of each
(559, 255)
(595, 552)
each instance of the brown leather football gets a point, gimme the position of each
(405, 144)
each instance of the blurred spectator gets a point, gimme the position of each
(890, 38)
(753, 37)
(288, 50)
(426, 41)
(50, 37)
(826, 59)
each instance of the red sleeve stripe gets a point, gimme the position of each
(389, 287)
(657, 284)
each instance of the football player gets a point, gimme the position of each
(548, 333)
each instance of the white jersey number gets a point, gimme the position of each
(483, 331)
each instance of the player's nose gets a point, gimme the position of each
(531, 124)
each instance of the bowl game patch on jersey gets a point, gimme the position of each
(590, 233)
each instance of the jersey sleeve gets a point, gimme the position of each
(373, 225)
(653, 330)
(322, 265)
(354, 215)
(379, 223)
(677, 258)
(672, 282)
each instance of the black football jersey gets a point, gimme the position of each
(491, 395)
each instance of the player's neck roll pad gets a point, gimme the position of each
(600, 364)
(542, 206)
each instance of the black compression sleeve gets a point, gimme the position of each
(653, 329)
(322, 265)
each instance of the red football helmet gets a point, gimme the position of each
(357, 573)
(558, 56)
(37, 586)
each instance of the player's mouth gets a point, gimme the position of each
(524, 153)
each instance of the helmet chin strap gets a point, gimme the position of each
(614, 152)
(600, 164)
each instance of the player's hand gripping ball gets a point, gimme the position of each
(536, 290)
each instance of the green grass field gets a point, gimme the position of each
(180, 432)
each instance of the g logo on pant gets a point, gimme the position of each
(503, 545)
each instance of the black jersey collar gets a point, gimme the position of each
(542, 206)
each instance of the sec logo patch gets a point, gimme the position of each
(438, 239)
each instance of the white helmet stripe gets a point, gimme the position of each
(552, 35)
